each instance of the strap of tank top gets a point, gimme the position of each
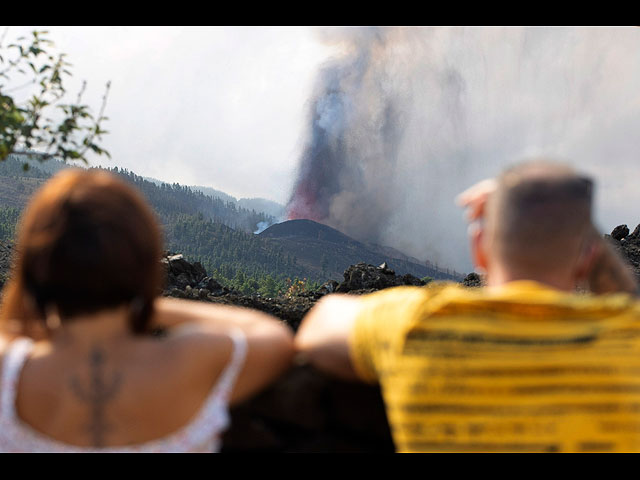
(14, 359)
(230, 373)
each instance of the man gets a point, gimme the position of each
(524, 364)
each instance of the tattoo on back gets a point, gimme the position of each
(97, 394)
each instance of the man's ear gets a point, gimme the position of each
(478, 247)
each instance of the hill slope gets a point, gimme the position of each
(219, 235)
(326, 252)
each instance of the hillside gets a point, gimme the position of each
(16, 191)
(242, 260)
(212, 192)
(169, 200)
(220, 235)
(260, 205)
(17, 185)
(327, 252)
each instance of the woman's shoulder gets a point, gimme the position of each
(209, 329)
(195, 355)
(198, 345)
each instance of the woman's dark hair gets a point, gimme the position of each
(86, 242)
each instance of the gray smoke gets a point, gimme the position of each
(406, 118)
(349, 160)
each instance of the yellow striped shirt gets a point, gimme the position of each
(520, 368)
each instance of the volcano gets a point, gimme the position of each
(328, 252)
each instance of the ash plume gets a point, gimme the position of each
(406, 118)
(356, 127)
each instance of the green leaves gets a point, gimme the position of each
(72, 132)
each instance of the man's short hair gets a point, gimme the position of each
(539, 214)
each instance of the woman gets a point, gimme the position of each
(82, 367)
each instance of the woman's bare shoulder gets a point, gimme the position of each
(198, 327)
(198, 344)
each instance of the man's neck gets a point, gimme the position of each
(500, 276)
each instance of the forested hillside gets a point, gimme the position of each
(8, 220)
(326, 252)
(17, 185)
(170, 200)
(218, 234)
(243, 261)
(209, 230)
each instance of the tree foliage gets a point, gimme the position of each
(44, 125)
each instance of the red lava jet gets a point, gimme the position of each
(350, 153)
(303, 204)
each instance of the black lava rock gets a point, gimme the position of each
(620, 232)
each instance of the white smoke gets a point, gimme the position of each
(262, 226)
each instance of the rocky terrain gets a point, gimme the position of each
(628, 244)
(190, 280)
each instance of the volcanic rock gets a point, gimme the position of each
(620, 232)
(472, 280)
(181, 274)
(328, 287)
(212, 286)
(409, 279)
(363, 277)
(307, 411)
(385, 269)
(188, 281)
(627, 245)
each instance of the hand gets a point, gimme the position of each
(609, 272)
(475, 198)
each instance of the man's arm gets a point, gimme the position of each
(323, 336)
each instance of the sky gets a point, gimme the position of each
(230, 108)
(211, 106)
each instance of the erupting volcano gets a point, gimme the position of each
(304, 204)
(352, 144)
(404, 119)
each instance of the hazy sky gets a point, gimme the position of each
(220, 107)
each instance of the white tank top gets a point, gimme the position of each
(202, 434)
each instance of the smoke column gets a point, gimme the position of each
(350, 156)
(403, 119)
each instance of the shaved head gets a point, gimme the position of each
(539, 218)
